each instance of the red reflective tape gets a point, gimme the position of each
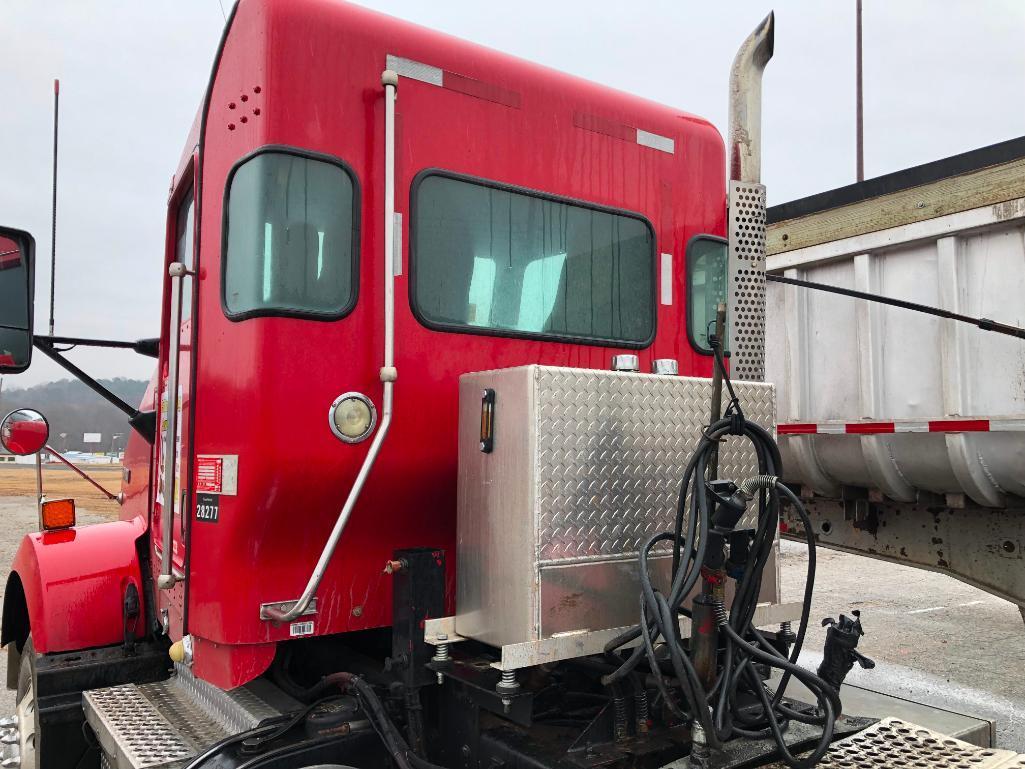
(959, 426)
(480, 89)
(797, 428)
(869, 428)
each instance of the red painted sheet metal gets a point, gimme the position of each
(74, 582)
(313, 70)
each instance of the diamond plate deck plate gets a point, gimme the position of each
(897, 744)
(611, 451)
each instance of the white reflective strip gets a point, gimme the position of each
(416, 70)
(397, 244)
(831, 429)
(667, 278)
(1006, 425)
(656, 142)
(911, 427)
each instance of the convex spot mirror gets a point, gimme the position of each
(17, 254)
(24, 431)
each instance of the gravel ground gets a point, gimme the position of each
(936, 640)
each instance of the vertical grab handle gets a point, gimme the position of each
(388, 374)
(177, 271)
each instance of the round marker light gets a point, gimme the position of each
(352, 417)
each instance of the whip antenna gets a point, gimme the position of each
(53, 218)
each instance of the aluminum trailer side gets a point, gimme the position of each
(906, 432)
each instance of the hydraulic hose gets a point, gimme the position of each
(738, 703)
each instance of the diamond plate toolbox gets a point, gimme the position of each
(585, 466)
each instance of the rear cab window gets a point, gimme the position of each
(707, 276)
(290, 236)
(494, 259)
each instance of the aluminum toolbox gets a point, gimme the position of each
(585, 466)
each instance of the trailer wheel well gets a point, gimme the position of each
(15, 617)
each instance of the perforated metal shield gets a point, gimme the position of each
(746, 306)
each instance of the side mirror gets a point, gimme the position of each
(24, 431)
(17, 288)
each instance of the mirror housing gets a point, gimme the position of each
(24, 431)
(17, 293)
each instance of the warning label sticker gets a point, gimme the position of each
(217, 474)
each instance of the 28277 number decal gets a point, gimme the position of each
(208, 507)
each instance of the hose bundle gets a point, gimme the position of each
(720, 711)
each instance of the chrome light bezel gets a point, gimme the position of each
(334, 427)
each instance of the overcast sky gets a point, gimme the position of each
(941, 77)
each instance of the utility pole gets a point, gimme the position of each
(860, 117)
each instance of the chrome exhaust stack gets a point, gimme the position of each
(746, 214)
(745, 127)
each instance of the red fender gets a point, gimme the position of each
(72, 586)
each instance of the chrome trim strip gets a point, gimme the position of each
(415, 70)
(656, 141)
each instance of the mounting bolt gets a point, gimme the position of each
(641, 711)
(442, 654)
(357, 611)
(508, 684)
(786, 629)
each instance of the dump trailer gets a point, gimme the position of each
(913, 449)
(442, 463)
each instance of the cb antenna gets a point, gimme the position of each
(53, 218)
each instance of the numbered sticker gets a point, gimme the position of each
(300, 629)
(208, 507)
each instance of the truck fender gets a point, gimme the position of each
(67, 587)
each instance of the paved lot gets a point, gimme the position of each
(935, 639)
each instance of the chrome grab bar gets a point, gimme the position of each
(390, 81)
(168, 578)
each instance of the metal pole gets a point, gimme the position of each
(82, 474)
(167, 579)
(39, 488)
(53, 217)
(720, 332)
(860, 118)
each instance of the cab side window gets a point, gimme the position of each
(707, 275)
(493, 259)
(291, 238)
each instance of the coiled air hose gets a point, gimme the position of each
(738, 704)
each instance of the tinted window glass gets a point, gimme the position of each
(511, 261)
(290, 238)
(706, 287)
